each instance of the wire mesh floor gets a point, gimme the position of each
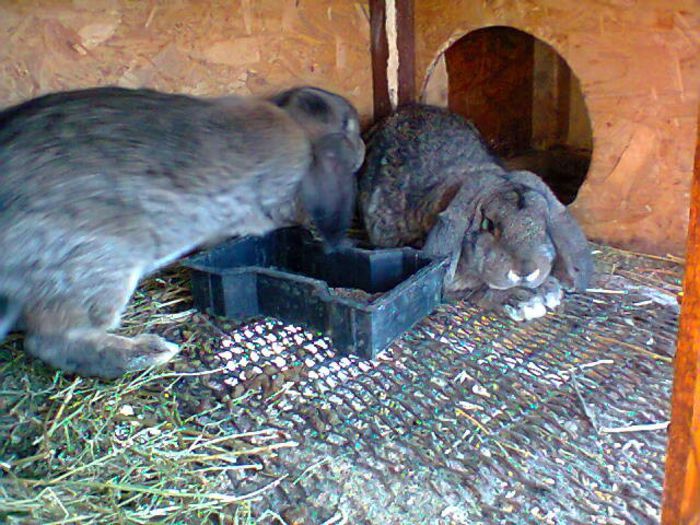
(468, 418)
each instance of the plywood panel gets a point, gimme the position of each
(204, 48)
(639, 68)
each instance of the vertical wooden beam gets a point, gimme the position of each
(681, 504)
(379, 49)
(406, 43)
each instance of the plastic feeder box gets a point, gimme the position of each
(287, 275)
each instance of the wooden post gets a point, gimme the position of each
(379, 48)
(406, 43)
(405, 49)
(681, 504)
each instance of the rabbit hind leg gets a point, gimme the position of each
(92, 352)
(70, 333)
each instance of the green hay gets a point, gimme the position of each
(137, 450)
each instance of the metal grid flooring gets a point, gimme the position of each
(468, 418)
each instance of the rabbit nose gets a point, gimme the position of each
(534, 275)
(513, 277)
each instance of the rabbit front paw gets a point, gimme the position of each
(524, 304)
(547, 296)
(551, 292)
(526, 310)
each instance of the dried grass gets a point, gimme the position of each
(137, 450)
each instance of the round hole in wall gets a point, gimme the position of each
(526, 101)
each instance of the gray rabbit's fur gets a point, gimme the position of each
(430, 181)
(101, 187)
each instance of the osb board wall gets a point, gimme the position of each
(198, 47)
(639, 66)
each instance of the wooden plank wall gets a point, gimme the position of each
(404, 67)
(405, 40)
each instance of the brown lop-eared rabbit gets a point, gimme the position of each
(430, 181)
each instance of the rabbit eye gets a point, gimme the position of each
(487, 225)
(350, 125)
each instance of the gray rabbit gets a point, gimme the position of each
(429, 180)
(101, 187)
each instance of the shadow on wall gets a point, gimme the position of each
(526, 101)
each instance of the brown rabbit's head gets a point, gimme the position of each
(507, 231)
(508, 244)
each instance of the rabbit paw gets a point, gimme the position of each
(150, 350)
(551, 292)
(530, 304)
(526, 310)
(97, 353)
(525, 304)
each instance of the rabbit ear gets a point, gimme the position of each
(445, 240)
(328, 189)
(573, 264)
(446, 236)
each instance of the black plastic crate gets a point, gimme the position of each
(288, 275)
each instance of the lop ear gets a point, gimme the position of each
(446, 236)
(328, 189)
(573, 264)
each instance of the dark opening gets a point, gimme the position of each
(526, 102)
